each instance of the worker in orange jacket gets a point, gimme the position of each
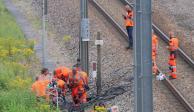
(154, 52)
(129, 24)
(62, 73)
(77, 85)
(83, 74)
(172, 67)
(154, 46)
(173, 45)
(39, 88)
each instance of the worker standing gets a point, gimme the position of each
(154, 52)
(172, 67)
(129, 25)
(154, 46)
(76, 84)
(173, 47)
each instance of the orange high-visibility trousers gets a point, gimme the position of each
(173, 72)
(79, 95)
(172, 67)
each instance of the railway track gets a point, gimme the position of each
(168, 83)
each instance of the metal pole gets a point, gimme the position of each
(43, 34)
(137, 58)
(142, 59)
(147, 56)
(98, 84)
(84, 36)
(44, 12)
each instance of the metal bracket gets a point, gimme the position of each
(99, 42)
(85, 33)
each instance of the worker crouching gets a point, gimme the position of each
(57, 90)
(62, 73)
(39, 88)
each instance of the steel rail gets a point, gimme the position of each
(109, 18)
(178, 95)
(166, 39)
(173, 89)
(170, 86)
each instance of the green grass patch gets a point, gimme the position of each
(15, 59)
(8, 26)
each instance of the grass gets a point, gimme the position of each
(8, 26)
(15, 58)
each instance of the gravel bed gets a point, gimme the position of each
(184, 83)
(176, 15)
(54, 56)
(64, 17)
(115, 12)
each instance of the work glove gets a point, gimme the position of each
(160, 77)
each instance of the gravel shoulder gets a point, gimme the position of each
(64, 17)
(31, 25)
(183, 69)
(178, 16)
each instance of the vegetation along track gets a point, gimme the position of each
(175, 91)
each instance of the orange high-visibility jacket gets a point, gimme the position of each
(172, 62)
(61, 84)
(85, 78)
(39, 88)
(75, 80)
(62, 72)
(76, 83)
(128, 19)
(173, 44)
(154, 42)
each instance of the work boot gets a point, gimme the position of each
(171, 77)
